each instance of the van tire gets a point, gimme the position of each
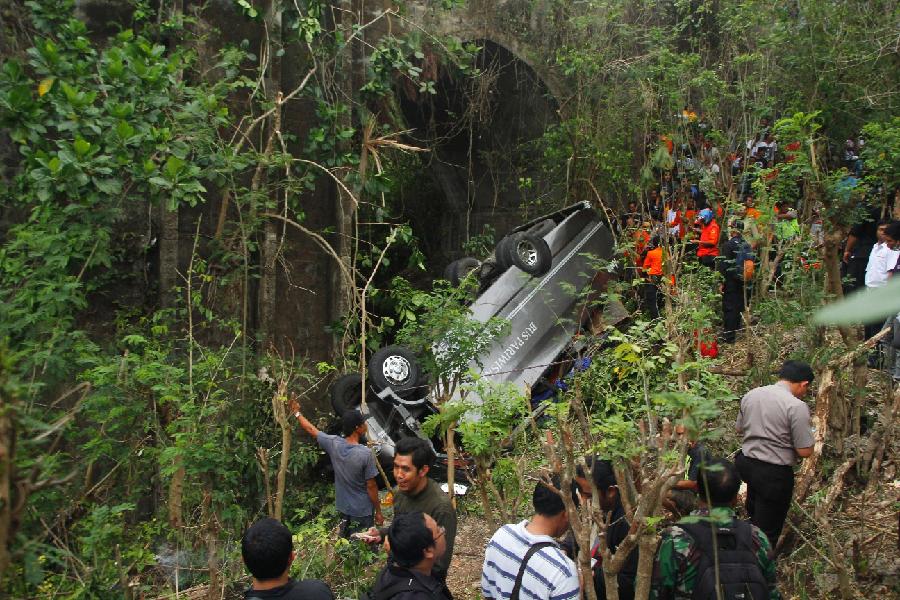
(346, 393)
(530, 253)
(395, 367)
(460, 269)
(503, 252)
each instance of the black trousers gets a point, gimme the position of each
(350, 525)
(651, 301)
(708, 261)
(732, 307)
(769, 491)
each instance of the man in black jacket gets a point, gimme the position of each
(733, 288)
(416, 542)
(268, 552)
(611, 504)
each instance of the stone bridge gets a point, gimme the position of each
(522, 27)
(476, 174)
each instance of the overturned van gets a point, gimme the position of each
(541, 280)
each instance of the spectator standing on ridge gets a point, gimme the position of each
(859, 244)
(355, 472)
(604, 478)
(417, 542)
(708, 248)
(416, 491)
(776, 430)
(523, 560)
(735, 252)
(694, 557)
(882, 259)
(267, 550)
(653, 271)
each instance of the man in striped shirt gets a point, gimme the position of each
(548, 574)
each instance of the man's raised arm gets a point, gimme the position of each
(304, 422)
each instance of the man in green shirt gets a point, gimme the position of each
(685, 564)
(416, 491)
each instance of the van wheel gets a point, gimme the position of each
(531, 254)
(395, 367)
(460, 269)
(346, 393)
(503, 252)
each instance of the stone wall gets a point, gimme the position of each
(475, 177)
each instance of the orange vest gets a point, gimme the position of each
(653, 262)
(710, 235)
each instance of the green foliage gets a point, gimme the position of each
(438, 326)
(881, 154)
(94, 129)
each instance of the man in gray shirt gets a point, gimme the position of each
(776, 430)
(355, 486)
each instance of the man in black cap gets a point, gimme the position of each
(775, 425)
(355, 487)
(601, 471)
(267, 550)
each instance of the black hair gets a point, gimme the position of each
(796, 371)
(718, 482)
(419, 449)
(266, 549)
(602, 472)
(409, 537)
(893, 230)
(350, 420)
(549, 503)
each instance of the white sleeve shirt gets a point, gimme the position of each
(881, 260)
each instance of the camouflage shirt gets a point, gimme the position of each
(675, 566)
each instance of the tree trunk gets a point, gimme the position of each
(7, 452)
(176, 495)
(211, 534)
(451, 465)
(647, 549)
(282, 468)
(168, 253)
(344, 205)
(484, 474)
(269, 244)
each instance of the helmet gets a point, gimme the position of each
(705, 215)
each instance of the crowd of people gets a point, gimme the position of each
(708, 551)
(706, 546)
(681, 220)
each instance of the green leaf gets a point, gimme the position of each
(124, 130)
(173, 167)
(865, 306)
(19, 97)
(108, 186)
(82, 147)
(161, 182)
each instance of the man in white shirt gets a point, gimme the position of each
(881, 260)
(527, 553)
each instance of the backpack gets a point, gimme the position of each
(740, 575)
(744, 262)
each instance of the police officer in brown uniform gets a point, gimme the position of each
(776, 429)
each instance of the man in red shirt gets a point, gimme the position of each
(708, 248)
